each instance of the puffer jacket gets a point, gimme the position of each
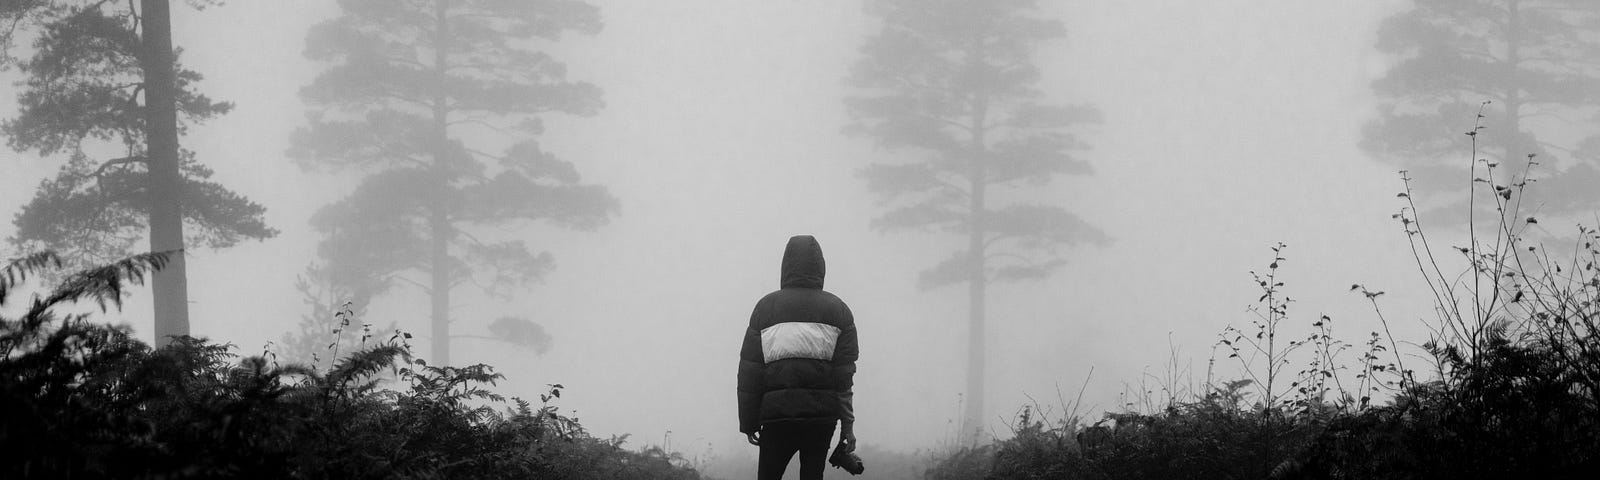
(798, 361)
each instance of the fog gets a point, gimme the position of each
(1228, 126)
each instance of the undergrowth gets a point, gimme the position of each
(1505, 386)
(88, 400)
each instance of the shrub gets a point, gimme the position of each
(1514, 355)
(86, 400)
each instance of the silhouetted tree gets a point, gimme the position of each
(106, 73)
(417, 96)
(955, 80)
(1533, 60)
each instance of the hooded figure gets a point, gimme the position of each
(797, 367)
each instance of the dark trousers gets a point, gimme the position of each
(779, 443)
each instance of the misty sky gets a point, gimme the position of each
(1229, 126)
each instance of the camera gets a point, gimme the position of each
(847, 460)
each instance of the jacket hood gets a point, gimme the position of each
(803, 266)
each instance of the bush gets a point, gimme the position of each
(85, 400)
(1514, 355)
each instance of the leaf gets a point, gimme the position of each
(17, 271)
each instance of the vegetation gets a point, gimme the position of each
(86, 400)
(955, 82)
(439, 104)
(1535, 59)
(411, 93)
(1508, 386)
(105, 77)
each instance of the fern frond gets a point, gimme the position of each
(364, 363)
(17, 270)
(104, 284)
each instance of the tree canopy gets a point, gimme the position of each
(83, 84)
(1537, 63)
(956, 82)
(103, 87)
(417, 96)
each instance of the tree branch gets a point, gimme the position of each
(117, 161)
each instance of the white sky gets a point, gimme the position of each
(1230, 125)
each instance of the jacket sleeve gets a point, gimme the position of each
(751, 383)
(845, 353)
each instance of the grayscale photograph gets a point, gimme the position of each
(789, 239)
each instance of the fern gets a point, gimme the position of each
(106, 283)
(17, 271)
(88, 400)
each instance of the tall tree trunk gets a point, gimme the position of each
(977, 287)
(439, 289)
(1514, 147)
(438, 219)
(978, 280)
(170, 284)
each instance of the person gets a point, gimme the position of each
(797, 368)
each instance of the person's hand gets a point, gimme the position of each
(847, 438)
(753, 438)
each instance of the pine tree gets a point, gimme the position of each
(418, 96)
(1537, 63)
(105, 74)
(955, 80)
